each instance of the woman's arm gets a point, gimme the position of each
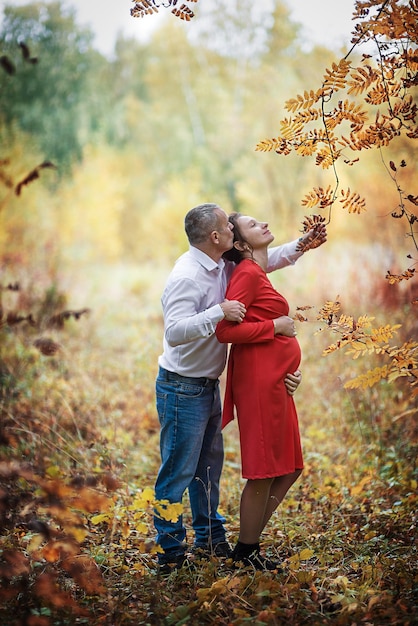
(252, 332)
(246, 332)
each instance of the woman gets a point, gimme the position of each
(264, 348)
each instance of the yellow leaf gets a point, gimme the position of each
(306, 554)
(341, 581)
(141, 527)
(220, 586)
(138, 567)
(144, 499)
(294, 560)
(148, 494)
(126, 531)
(78, 532)
(359, 488)
(98, 519)
(169, 511)
(54, 471)
(35, 542)
(370, 535)
(304, 577)
(204, 594)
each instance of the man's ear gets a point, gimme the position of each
(214, 237)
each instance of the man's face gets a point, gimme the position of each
(224, 230)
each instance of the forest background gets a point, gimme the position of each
(100, 160)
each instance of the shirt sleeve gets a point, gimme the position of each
(243, 287)
(282, 256)
(183, 321)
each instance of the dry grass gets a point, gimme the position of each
(346, 533)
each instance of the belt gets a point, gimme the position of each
(190, 380)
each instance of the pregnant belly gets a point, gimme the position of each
(272, 360)
(287, 353)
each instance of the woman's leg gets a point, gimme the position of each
(254, 501)
(278, 489)
(253, 509)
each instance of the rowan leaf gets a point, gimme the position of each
(361, 78)
(397, 278)
(369, 379)
(318, 196)
(352, 201)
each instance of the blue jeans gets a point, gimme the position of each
(191, 446)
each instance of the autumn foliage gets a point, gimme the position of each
(79, 432)
(330, 124)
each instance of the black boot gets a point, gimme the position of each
(249, 555)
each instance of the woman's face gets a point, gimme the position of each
(255, 233)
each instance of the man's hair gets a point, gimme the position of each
(200, 222)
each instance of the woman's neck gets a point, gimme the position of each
(260, 257)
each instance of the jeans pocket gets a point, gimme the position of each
(190, 391)
(161, 403)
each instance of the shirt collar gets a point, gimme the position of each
(205, 260)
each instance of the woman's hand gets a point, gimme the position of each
(292, 382)
(313, 238)
(284, 325)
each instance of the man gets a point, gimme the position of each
(187, 386)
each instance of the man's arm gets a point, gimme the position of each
(184, 321)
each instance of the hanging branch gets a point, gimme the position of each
(148, 7)
(312, 128)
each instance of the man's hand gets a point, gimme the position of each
(314, 238)
(234, 311)
(284, 325)
(292, 382)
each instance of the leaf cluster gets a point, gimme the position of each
(149, 7)
(359, 337)
(42, 318)
(48, 518)
(359, 106)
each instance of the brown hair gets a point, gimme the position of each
(233, 254)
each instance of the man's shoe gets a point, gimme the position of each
(221, 550)
(170, 566)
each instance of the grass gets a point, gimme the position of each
(86, 418)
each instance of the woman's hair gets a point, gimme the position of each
(233, 254)
(200, 222)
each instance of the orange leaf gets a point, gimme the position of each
(85, 573)
(16, 564)
(46, 588)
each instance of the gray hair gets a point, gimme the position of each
(200, 222)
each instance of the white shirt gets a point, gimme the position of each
(191, 308)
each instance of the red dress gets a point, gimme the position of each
(257, 366)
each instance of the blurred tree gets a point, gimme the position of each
(187, 108)
(119, 91)
(47, 94)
